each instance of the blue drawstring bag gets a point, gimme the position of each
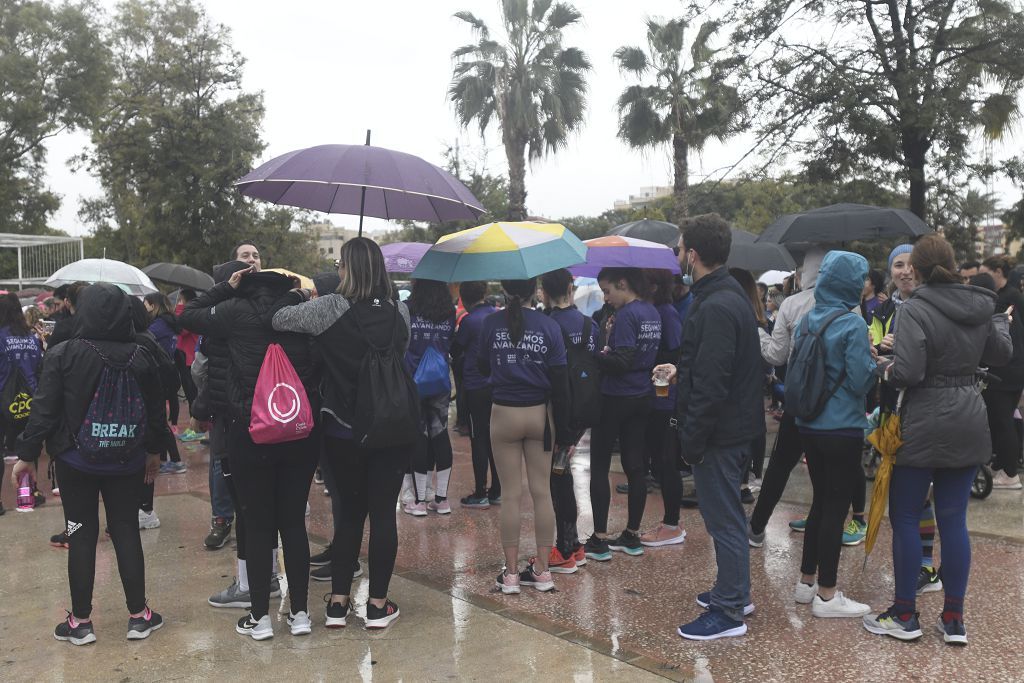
(431, 376)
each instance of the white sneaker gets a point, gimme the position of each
(148, 520)
(805, 594)
(838, 606)
(415, 509)
(257, 630)
(1001, 481)
(300, 624)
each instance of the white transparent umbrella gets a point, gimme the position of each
(127, 277)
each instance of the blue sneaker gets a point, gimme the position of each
(476, 502)
(854, 533)
(953, 632)
(628, 543)
(597, 549)
(888, 623)
(798, 525)
(711, 625)
(704, 600)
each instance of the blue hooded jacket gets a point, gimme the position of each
(839, 286)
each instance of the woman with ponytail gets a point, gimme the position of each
(943, 332)
(523, 353)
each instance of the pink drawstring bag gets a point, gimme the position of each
(280, 406)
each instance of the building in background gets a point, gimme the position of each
(646, 196)
(329, 238)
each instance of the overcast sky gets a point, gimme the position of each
(331, 69)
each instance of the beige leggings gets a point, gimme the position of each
(517, 434)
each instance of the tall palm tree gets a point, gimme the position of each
(533, 85)
(686, 102)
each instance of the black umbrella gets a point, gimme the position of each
(742, 236)
(177, 274)
(845, 223)
(758, 256)
(652, 231)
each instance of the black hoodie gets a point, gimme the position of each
(71, 372)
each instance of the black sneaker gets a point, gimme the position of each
(628, 543)
(381, 617)
(928, 581)
(75, 632)
(321, 558)
(139, 628)
(746, 496)
(337, 614)
(597, 549)
(622, 488)
(476, 501)
(220, 530)
(59, 540)
(321, 573)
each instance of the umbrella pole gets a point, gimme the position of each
(362, 197)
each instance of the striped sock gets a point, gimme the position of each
(904, 608)
(952, 608)
(927, 531)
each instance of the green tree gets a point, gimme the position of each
(54, 75)
(529, 81)
(685, 103)
(892, 90)
(179, 131)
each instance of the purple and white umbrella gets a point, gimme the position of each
(403, 257)
(362, 180)
(616, 251)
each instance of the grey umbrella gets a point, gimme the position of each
(652, 231)
(844, 223)
(177, 274)
(758, 256)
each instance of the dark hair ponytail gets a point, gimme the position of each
(518, 291)
(933, 261)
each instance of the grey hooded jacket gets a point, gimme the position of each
(777, 347)
(944, 333)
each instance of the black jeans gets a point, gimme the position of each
(80, 492)
(623, 418)
(272, 481)
(478, 402)
(1005, 440)
(785, 456)
(664, 449)
(832, 462)
(369, 481)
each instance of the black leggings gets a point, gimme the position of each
(623, 418)
(273, 481)
(478, 402)
(663, 447)
(80, 494)
(563, 496)
(369, 481)
(785, 456)
(832, 462)
(1005, 439)
(236, 502)
(185, 376)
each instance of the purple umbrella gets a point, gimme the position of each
(403, 257)
(617, 251)
(362, 180)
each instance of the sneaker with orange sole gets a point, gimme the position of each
(663, 535)
(558, 563)
(580, 555)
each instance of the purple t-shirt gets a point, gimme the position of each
(519, 372)
(24, 352)
(425, 333)
(571, 322)
(637, 326)
(468, 337)
(671, 339)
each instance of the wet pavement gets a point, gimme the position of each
(609, 621)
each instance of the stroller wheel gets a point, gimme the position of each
(982, 486)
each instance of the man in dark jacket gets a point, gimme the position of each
(719, 413)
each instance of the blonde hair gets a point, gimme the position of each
(33, 315)
(365, 276)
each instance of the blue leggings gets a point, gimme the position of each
(908, 490)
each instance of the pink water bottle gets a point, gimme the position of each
(26, 500)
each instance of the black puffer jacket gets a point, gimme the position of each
(1011, 375)
(242, 320)
(71, 373)
(216, 351)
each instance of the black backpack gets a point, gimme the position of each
(387, 404)
(16, 399)
(115, 422)
(584, 381)
(807, 391)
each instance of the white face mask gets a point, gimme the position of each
(687, 278)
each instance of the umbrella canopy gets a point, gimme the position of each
(652, 231)
(403, 257)
(129, 278)
(742, 236)
(501, 251)
(177, 274)
(774, 277)
(587, 295)
(845, 223)
(362, 180)
(304, 282)
(760, 256)
(887, 439)
(615, 251)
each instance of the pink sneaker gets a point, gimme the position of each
(663, 535)
(508, 583)
(442, 508)
(415, 509)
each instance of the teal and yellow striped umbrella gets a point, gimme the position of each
(501, 251)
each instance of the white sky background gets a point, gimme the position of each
(330, 69)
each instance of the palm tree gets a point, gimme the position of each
(533, 85)
(687, 104)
